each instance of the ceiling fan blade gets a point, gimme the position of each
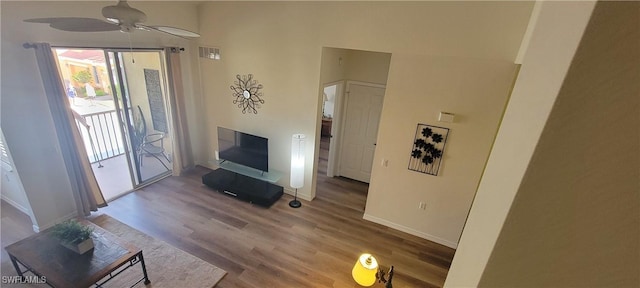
(76, 24)
(42, 20)
(172, 31)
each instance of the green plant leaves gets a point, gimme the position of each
(71, 232)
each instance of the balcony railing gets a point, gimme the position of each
(103, 138)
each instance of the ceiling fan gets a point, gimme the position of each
(118, 17)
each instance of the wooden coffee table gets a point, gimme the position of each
(42, 255)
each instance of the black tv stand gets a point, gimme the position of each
(243, 187)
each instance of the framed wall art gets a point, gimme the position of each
(428, 149)
(156, 101)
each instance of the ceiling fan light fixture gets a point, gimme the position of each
(113, 20)
(123, 13)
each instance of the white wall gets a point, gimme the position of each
(553, 43)
(476, 91)
(11, 188)
(26, 120)
(367, 66)
(333, 65)
(579, 202)
(446, 56)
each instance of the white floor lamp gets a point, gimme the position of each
(297, 167)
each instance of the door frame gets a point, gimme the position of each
(334, 139)
(343, 106)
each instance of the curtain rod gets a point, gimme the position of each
(28, 45)
(176, 49)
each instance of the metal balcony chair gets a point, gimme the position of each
(150, 144)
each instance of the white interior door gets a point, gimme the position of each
(360, 132)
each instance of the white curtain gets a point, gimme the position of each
(84, 186)
(182, 156)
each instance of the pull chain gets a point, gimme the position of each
(133, 60)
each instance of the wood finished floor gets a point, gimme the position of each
(313, 246)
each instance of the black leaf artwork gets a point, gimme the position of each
(416, 153)
(426, 132)
(428, 149)
(427, 159)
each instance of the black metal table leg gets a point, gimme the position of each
(144, 269)
(14, 261)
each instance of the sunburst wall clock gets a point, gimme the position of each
(247, 93)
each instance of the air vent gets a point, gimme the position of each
(210, 53)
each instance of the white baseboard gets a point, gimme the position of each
(410, 231)
(15, 204)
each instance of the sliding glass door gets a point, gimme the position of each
(141, 103)
(119, 102)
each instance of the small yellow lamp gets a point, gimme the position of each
(364, 272)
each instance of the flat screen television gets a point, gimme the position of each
(244, 149)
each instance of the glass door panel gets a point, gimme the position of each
(144, 109)
(123, 110)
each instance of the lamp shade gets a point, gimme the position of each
(364, 272)
(297, 161)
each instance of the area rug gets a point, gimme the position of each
(167, 266)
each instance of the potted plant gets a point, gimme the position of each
(74, 236)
